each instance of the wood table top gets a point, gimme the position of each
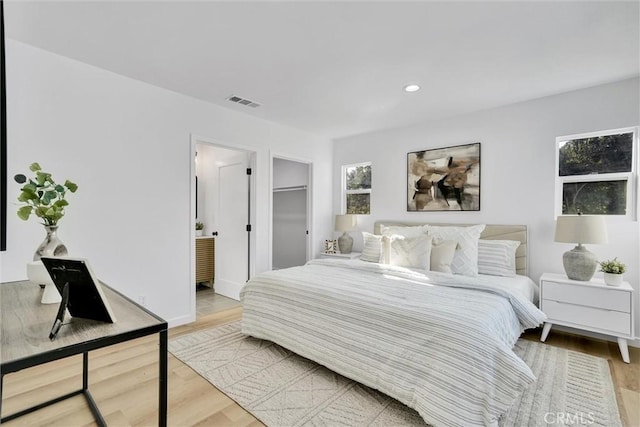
(26, 323)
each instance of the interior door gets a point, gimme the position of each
(232, 246)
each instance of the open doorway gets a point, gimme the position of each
(222, 201)
(290, 224)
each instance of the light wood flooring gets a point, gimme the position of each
(208, 302)
(124, 382)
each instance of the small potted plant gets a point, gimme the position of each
(613, 271)
(199, 228)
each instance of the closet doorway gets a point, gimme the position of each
(291, 195)
(223, 201)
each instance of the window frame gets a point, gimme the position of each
(629, 177)
(346, 192)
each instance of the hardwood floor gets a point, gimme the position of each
(124, 382)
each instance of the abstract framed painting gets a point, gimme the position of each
(444, 179)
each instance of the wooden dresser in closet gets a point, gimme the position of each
(205, 260)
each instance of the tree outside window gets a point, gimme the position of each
(357, 188)
(595, 173)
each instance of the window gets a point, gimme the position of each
(356, 189)
(596, 173)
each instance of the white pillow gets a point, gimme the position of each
(465, 260)
(371, 248)
(442, 253)
(497, 257)
(401, 230)
(413, 252)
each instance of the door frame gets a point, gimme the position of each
(198, 139)
(309, 163)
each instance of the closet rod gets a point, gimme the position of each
(295, 188)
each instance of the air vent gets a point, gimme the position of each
(243, 101)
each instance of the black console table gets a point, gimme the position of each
(26, 324)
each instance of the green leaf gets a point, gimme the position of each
(49, 196)
(30, 187)
(35, 167)
(61, 203)
(24, 212)
(71, 186)
(42, 177)
(60, 189)
(52, 212)
(41, 211)
(26, 196)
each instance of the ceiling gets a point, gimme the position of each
(337, 68)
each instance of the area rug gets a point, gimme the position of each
(281, 388)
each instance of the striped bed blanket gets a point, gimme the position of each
(441, 344)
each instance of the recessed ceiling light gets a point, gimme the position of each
(411, 88)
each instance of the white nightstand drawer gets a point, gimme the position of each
(616, 322)
(605, 298)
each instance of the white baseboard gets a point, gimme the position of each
(181, 320)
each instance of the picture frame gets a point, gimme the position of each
(331, 246)
(444, 179)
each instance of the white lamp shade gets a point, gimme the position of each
(581, 229)
(345, 222)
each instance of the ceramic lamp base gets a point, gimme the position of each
(345, 243)
(579, 263)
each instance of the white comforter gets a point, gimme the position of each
(441, 344)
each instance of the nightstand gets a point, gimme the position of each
(352, 255)
(589, 306)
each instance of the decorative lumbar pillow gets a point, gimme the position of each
(497, 257)
(401, 230)
(442, 253)
(413, 252)
(465, 260)
(371, 248)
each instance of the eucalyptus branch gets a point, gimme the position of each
(42, 196)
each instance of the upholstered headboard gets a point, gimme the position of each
(491, 232)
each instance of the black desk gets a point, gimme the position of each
(26, 324)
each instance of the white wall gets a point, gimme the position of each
(127, 145)
(517, 168)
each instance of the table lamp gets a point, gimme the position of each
(345, 223)
(579, 263)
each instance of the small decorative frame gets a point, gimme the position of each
(330, 246)
(444, 179)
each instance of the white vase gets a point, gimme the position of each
(51, 246)
(613, 279)
(199, 233)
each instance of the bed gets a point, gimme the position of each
(439, 343)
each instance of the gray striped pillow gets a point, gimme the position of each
(371, 248)
(497, 257)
